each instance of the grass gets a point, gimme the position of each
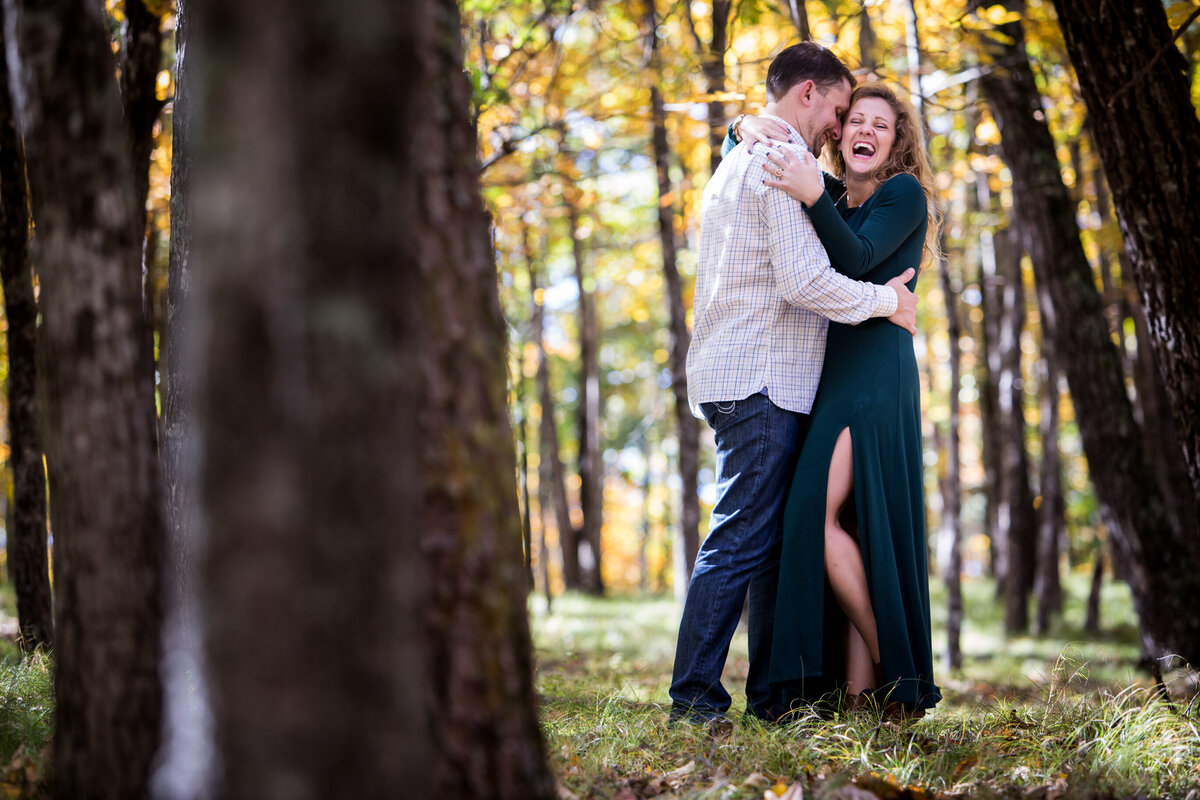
(26, 713)
(1063, 716)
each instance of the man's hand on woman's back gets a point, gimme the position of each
(906, 302)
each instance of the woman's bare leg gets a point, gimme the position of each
(844, 565)
(860, 670)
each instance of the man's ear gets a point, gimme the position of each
(805, 90)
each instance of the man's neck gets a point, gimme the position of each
(788, 114)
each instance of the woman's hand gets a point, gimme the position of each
(799, 176)
(754, 130)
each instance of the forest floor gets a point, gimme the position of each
(26, 710)
(1062, 716)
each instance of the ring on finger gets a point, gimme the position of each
(778, 172)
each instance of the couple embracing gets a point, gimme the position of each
(805, 280)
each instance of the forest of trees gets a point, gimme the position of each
(333, 331)
(1060, 367)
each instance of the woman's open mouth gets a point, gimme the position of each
(863, 150)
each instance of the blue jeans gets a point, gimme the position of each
(757, 443)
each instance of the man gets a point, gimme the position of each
(764, 293)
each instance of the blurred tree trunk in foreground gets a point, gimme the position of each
(28, 562)
(1138, 93)
(185, 759)
(100, 442)
(1163, 576)
(364, 585)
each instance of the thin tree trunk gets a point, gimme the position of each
(999, 245)
(547, 435)
(28, 563)
(647, 528)
(363, 581)
(591, 467)
(101, 450)
(951, 512)
(1047, 587)
(951, 522)
(868, 42)
(1164, 579)
(552, 474)
(712, 64)
(522, 410)
(988, 379)
(552, 480)
(987, 370)
(1016, 505)
(799, 16)
(686, 425)
(714, 78)
(1138, 93)
(1091, 622)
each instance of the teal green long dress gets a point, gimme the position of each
(870, 385)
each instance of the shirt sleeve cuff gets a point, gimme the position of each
(886, 301)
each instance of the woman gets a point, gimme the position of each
(864, 628)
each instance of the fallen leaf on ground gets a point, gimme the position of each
(756, 779)
(793, 792)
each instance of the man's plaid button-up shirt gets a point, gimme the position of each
(765, 290)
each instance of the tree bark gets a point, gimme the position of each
(179, 455)
(28, 562)
(1163, 578)
(101, 450)
(363, 581)
(1153, 403)
(185, 759)
(1138, 93)
(686, 425)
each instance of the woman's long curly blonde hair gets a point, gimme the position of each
(907, 155)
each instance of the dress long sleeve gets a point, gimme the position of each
(898, 210)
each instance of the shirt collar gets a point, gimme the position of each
(795, 133)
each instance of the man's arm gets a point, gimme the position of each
(804, 275)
